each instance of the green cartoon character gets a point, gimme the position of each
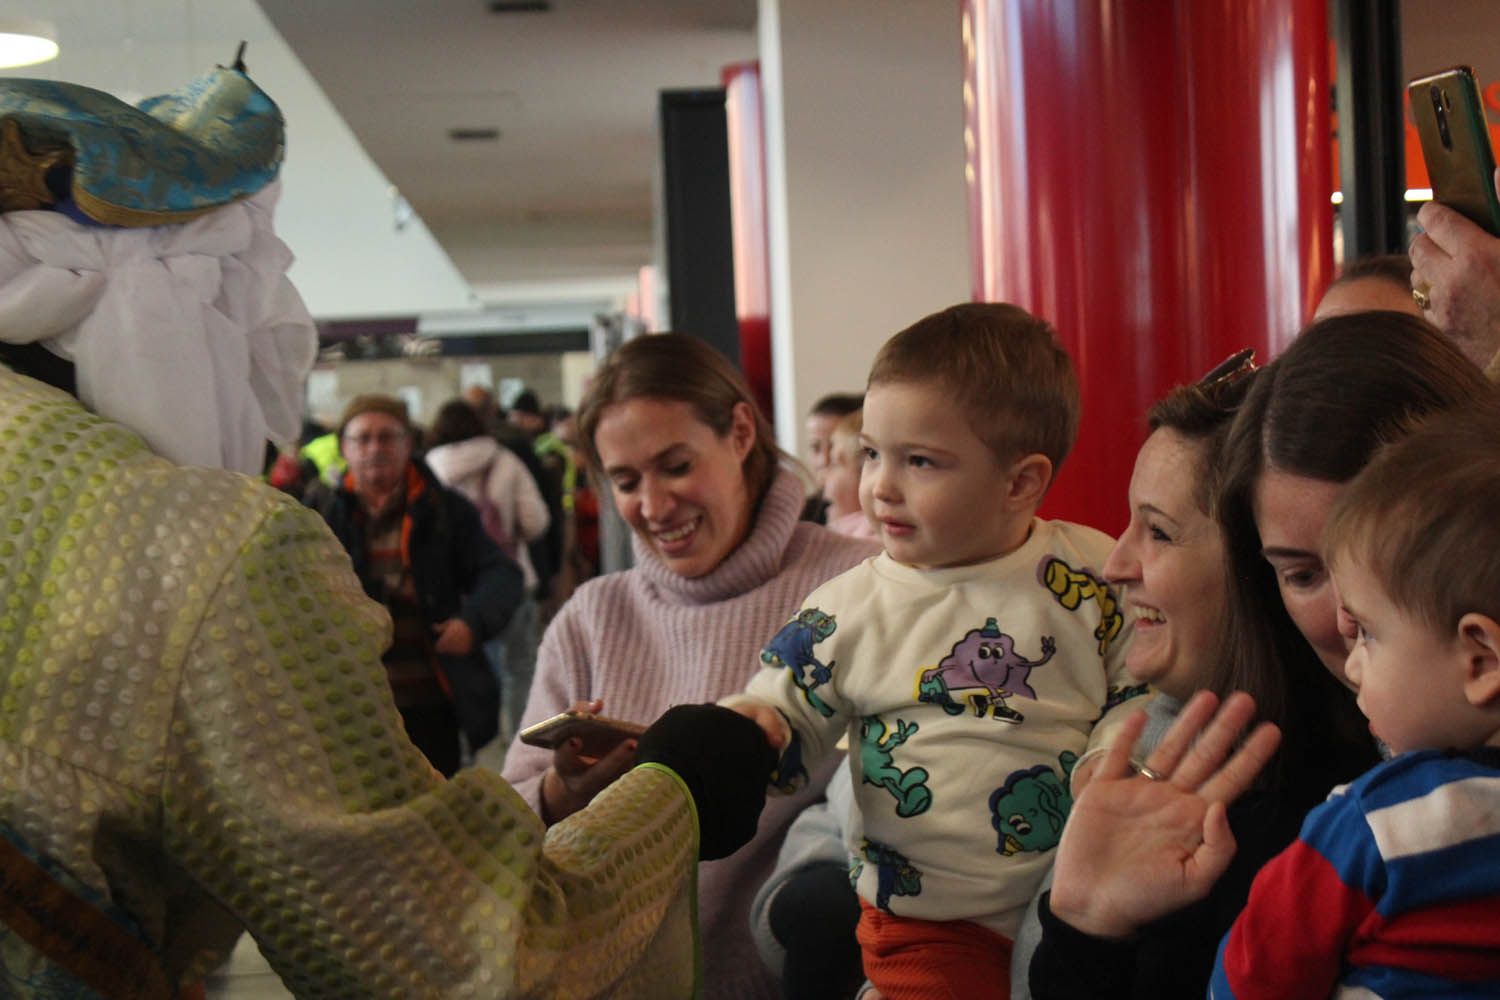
(876, 742)
(1029, 810)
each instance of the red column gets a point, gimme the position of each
(1153, 177)
(747, 201)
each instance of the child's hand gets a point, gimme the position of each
(771, 722)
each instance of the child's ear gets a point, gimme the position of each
(1479, 643)
(1030, 476)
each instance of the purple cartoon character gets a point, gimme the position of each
(985, 659)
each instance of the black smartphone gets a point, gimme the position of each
(1456, 144)
(599, 734)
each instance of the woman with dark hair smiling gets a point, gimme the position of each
(1147, 878)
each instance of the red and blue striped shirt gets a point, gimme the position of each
(1391, 890)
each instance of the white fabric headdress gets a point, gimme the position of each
(190, 334)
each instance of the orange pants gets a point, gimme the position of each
(911, 959)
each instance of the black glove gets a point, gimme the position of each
(725, 760)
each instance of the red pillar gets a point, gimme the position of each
(747, 201)
(1153, 177)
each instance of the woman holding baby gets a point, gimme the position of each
(1221, 567)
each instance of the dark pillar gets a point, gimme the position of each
(1372, 137)
(695, 194)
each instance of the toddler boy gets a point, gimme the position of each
(1393, 887)
(970, 663)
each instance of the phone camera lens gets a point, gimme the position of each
(1439, 97)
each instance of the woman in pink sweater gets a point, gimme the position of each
(722, 563)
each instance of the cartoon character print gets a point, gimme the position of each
(895, 875)
(1029, 810)
(1119, 695)
(792, 648)
(790, 773)
(984, 658)
(1072, 587)
(908, 788)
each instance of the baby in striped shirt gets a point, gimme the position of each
(1392, 888)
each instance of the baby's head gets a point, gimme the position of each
(968, 415)
(1412, 546)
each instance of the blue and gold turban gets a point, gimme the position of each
(137, 243)
(171, 159)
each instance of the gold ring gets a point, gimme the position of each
(1420, 297)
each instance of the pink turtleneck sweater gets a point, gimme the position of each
(647, 639)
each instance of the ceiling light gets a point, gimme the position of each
(25, 42)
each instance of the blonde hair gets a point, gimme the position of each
(844, 441)
(1003, 366)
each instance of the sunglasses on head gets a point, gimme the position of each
(1229, 371)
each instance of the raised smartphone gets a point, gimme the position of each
(1456, 144)
(599, 734)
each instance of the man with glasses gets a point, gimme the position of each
(419, 549)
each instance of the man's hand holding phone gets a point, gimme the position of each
(1457, 265)
(1456, 261)
(576, 775)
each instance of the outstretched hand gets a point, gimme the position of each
(1136, 849)
(724, 760)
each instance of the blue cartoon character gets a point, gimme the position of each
(1072, 587)
(876, 742)
(894, 874)
(985, 658)
(1029, 810)
(792, 648)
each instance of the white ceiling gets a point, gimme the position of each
(566, 192)
(559, 209)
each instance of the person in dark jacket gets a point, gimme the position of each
(419, 549)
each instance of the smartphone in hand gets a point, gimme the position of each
(1456, 144)
(598, 733)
